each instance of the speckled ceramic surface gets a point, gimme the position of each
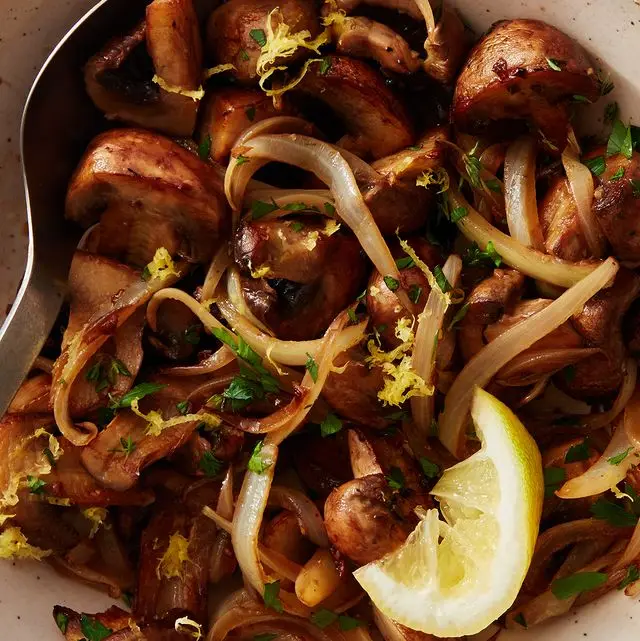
(610, 29)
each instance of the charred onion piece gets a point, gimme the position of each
(147, 192)
(512, 74)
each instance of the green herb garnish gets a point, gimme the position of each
(578, 583)
(331, 425)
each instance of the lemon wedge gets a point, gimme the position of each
(454, 577)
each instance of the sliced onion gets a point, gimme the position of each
(309, 518)
(525, 259)
(277, 125)
(219, 359)
(603, 474)
(294, 353)
(236, 298)
(430, 325)
(328, 164)
(520, 193)
(215, 272)
(581, 184)
(602, 419)
(318, 201)
(555, 401)
(85, 343)
(494, 356)
(223, 538)
(427, 13)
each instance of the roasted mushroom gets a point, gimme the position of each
(147, 192)
(243, 24)
(523, 69)
(119, 78)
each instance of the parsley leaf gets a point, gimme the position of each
(325, 65)
(297, 226)
(127, 446)
(556, 65)
(267, 636)
(183, 407)
(329, 209)
(493, 185)
(430, 469)
(580, 98)
(36, 485)
(391, 283)
(347, 623)
(299, 206)
(620, 141)
(459, 315)
(577, 583)
(520, 620)
(405, 262)
(395, 478)
(553, 478)
(619, 174)
(441, 279)
(473, 167)
(135, 394)
(331, 425)
(204, 148)
(458, 214)
(244, 56)
(312, 367)
(324, 618)
(577, 452)
(93, 630)
(611, 112)
(240, 160)
(475, 257)
(62, 621)
(256, 463)
(259, 208)
(270, 596)
(210, 465)
(633, 575)
(613, 513)
(259, 36)
(250, 113)
(618, 458)
(596, 165)
(414, 293)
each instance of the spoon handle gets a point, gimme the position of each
(26, 329)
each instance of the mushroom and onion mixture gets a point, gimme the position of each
(311, 232)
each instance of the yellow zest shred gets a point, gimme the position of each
(260, 272)
(439, 177)
(401, 382)
(186, 622)
(331, 227)
(424, 268)
(162, 265)
(97, 516)
(270, 360)
(281, 43)
(175, 557)
(335, 16)
(195, 95)
(374, 291)
(5, 517)
(218, 69)
(52, 500)
(156, 424)
(310, 242)
(14, 545)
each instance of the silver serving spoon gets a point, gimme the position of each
(58, 122)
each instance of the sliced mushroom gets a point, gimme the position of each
(229, 111)
(523, 69)
(33, 397)
(365, 38)
(282, 534)
(299, 310)
(446, 46)
(119, 78)
(617, 205)
(147, 192)
(563, 236)
(352, 390)
(383, 304)
(236, 32)
(376, 121)
(600, 324)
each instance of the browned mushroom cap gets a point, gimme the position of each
(94, 281)
(617, 205)
(561, 227)
(229, 111)
(383, 304)
(446, 46)
(376, 121)
(360, 521)
(512, 74)
(147, 192)
(119, 77)
(236, 32)
(600, 324)
(302, 311)
(352, 390)
(365, 38)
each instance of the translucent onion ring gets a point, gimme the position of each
(309, 518)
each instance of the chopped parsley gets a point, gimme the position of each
(391, 283)
(473, 167)
(135, 394)
(240, 160)
(62, 621)
(613, 513)
(299, 206)
(475, 257)
(183, 407)
(204, 148)
(553, 478)
(430, 469)
(104, 375)
(580, 98)
(259, 36)
(210, 465)
(441, 279)
(606, 86)
(555, 64)
(611, 112)
(244, 56)
(596, 165)
(395, 478)
(458, 214)
(266, 636)
(347, 623)
(250, 113)
(619, 174)
(405, 262)
(296, 226)
(93, 630)
(270, 596)
(127, 446)
(331, 425)
(620, 141)
(256, 463)
(577, 452)
(493, 185)
(576, 584)
(324, 618)
(312, 367)
(260, 208)
(459, 315)
(520, 620)
(325, 65)
(192, 335)
(329, 209)
(414, 293)
(36, 485)
(633, 575)
(618, 458)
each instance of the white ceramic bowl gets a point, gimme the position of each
(609, 29)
